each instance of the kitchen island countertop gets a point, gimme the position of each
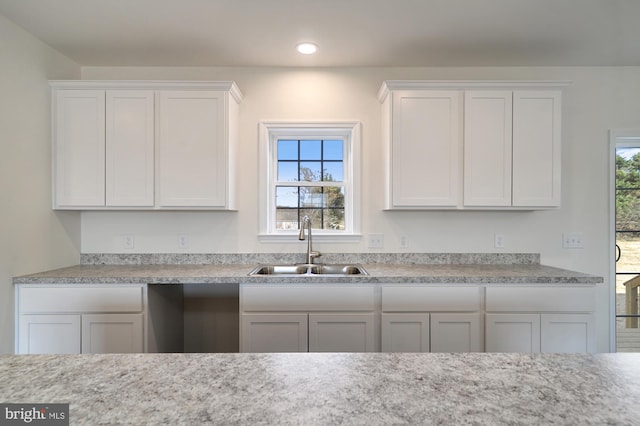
(333, 388)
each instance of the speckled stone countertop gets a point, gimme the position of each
(381, 269)
(329, 389)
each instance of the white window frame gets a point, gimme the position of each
(269, 133)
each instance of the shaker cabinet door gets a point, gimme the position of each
(192, 149)
(79, 148)
(130, 148)
(487, 148)
(425, 149)
(536, 148)
(112, 333)
(277, 332)
(405, 332)
(512, 333)
(49, 334)
(334, 332)
(454, 332)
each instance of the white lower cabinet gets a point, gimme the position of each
(275, 332)
(48, 334)
(73, 319)
(550, 319)
(341, 332)
(301, 318)
(431, 319)
(112, 333)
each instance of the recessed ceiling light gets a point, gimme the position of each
(307, 48)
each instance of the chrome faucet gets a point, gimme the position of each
(306, 222)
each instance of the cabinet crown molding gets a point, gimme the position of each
(389, 85)
(228, 86)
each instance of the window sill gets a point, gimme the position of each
(324, 238)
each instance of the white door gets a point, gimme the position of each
(79, 148)
(536, 148)
(426, 148)
(487, 147)
(567, 333)
(49, 334)
(512, 333)
(130, 148)
(275, 332)
(405, 332)
(330, 332)
(455, 332)
(192, 149)
(112, 333)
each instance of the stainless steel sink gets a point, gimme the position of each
(309, 269)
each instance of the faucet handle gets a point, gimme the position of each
(315, 254)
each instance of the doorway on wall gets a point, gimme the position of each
(626, 229)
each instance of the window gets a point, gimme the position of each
(309, 169)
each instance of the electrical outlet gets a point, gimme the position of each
(128, 242)
(572, 240)
(404, 241)
(498, 241)
(183, 241)
(376, 241)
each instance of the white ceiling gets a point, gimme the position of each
(349, 32)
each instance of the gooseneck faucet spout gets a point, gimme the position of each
(311, 254)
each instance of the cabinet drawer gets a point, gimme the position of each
(325, 297)
(540, 299)
(432, 299)
(63, 299)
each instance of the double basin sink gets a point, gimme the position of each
(309, 269)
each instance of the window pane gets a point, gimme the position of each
(311, 197)
(334, 219)
(287, 149)
(287, 196)
(288, 171)
(310, 171)
(310, 150)
(333, 171)
(628, 210)
(286, 218)
(315, 215)
(332, 150)
(334, 197)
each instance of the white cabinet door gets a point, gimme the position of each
(405, 332)
(192, 149)
(536, 148)
(512, 333)
(275, 332)
(426, 149)
(79, 148)
(49, 334)
(567, 333)
(112, 333)
(329, 332)
(487, 148)
(130, 148)
(453, 332)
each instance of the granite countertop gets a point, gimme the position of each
(319, 389)
(378, 273)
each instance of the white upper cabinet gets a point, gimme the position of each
(487, 148)
(425, 144)
(472, 144)
(144, 145)
(129, 148)
(536, 148)
(192, 167)
(79, 148)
